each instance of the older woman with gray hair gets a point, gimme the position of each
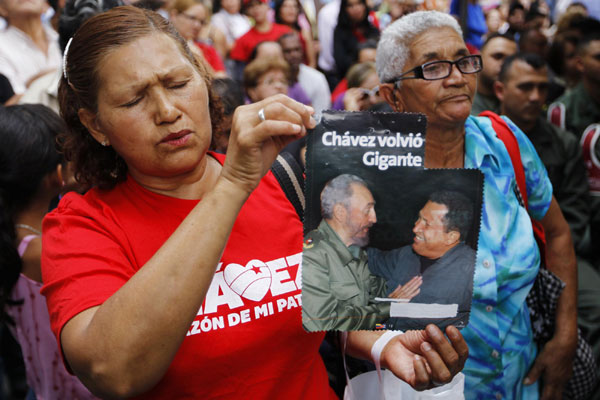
(425, 67)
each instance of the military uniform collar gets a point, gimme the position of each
(344, 253)
(586, 99)
(539, 133)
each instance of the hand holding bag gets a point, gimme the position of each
(384, 385)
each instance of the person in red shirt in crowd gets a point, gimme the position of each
(155, 278)
(263, 30)
(188, 17)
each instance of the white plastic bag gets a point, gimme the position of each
(366, 387)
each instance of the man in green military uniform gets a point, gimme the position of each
(521, 88)
(578, 111)
(579, 107)
(338, 290)
(495, 49)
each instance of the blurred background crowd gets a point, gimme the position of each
(541, 67)
(320, 51)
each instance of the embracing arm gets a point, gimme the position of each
(555, 359)
(123, 347)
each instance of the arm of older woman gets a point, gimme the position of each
(120, 349)
(555, 360)
(423, 359)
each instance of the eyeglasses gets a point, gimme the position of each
(193, 19)
(434, 70)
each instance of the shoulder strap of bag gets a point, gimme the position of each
(290, 176)
(509, 139)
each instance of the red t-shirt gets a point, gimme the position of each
(341, 88)
(247, 340)
(242, 49)
(211, 56)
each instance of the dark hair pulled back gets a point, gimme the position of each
(94, 164)
(28, 154)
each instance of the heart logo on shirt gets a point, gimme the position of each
(251, 281)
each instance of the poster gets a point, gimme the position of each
(388, 243)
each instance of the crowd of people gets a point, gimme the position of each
(126, 222)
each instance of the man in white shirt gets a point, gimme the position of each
(311, 81)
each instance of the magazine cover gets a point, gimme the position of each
(388, 243)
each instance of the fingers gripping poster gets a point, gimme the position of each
(388, 244)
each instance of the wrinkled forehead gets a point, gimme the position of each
(434, 211)
(361, 195)
(154, 54)
(436, 44)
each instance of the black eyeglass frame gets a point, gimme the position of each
(418, 70)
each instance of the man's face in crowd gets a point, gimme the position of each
(570, 61)
(516, 20)
(524, 93)
(431, 239)
(493, 54)
(536, 43)
(590, 61)
(292, 50)
(360, 215)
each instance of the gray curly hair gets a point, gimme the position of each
(394, 46)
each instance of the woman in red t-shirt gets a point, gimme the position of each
(176, 275)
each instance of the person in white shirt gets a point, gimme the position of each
(327, 21)
(29, 48)
(227, 19)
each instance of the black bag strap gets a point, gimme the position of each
(290, 176)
